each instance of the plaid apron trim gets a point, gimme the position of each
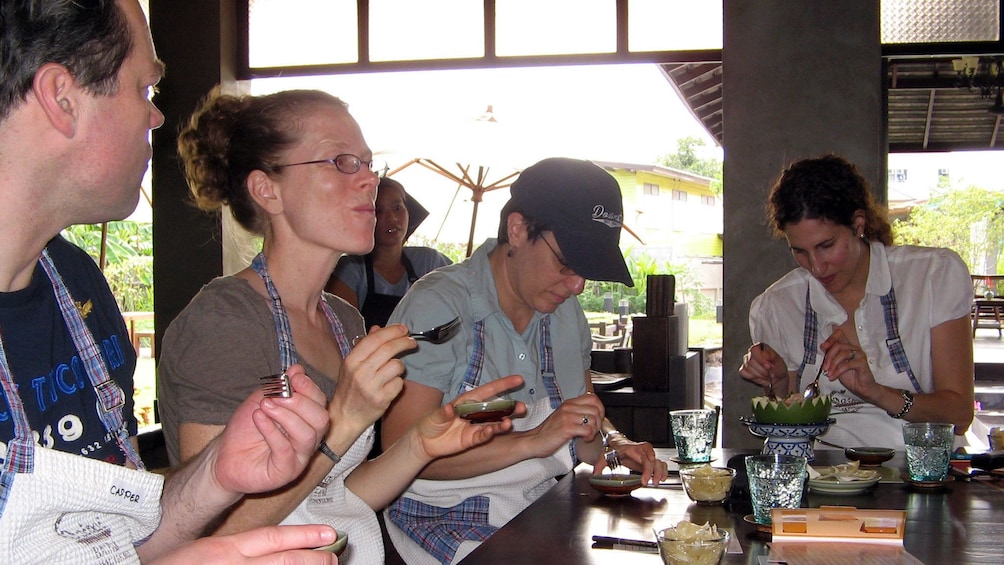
(894, 342)
(440, 531)
(287, 350)
(810, 335)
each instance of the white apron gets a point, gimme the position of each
(333, 504)
(509, 491)
(330, 502)
(72, 509)
(454, 519)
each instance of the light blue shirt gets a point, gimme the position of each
(468, 290)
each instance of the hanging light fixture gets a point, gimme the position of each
(984, 75)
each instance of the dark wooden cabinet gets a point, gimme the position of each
(644, 415)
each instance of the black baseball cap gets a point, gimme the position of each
(581, 204)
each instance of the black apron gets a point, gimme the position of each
(377, 308)
(376, 311)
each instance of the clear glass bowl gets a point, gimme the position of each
(705, 484)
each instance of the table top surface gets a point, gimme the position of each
(960, 523)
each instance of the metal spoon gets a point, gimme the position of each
(440, 333)
(812, 391)
(824, 442)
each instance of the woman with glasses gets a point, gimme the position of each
(293, 168)
(375, 282)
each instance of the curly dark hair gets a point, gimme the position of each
(91, 38)
(825, 188)
(228, 137)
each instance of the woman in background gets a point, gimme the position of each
(374, 283)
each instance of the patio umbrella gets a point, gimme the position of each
(478, 183)
(478, 155)
(481, 155)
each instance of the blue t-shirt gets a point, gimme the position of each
(55, 391)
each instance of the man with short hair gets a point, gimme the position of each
(76, 80)
(515, 296)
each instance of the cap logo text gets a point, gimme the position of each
(602, 216)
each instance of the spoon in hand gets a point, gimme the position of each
(812, 391)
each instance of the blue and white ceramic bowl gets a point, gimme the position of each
(788, 439)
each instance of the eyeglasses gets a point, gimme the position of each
(346, 163)
(565, 269)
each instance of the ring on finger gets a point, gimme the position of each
(585, 420)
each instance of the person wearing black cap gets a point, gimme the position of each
(515, 295)
(374, 283)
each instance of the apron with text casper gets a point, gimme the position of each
(71, 509)
(58, 507)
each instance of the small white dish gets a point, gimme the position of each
(833, 486)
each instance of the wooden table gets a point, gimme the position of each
(987, 314)
(960, 524)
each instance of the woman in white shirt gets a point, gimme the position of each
(889, 325)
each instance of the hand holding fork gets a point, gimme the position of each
(610, 455)
(276, 386)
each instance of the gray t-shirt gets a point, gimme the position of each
(351, 270)
(217, 348)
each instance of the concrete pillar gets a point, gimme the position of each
(197, 42)
(800, 79)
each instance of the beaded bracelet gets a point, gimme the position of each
(907, 404)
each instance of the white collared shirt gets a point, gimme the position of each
(932, 286)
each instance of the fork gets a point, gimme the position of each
(276, 386)
(611, 457)
(440, 333)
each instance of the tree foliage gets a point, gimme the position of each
(687, 159)
(128, 259)
(640, 265)
(968, 221)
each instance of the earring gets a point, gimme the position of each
(509, 252)
(861, 236)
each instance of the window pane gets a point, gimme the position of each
(939, 21)
(674, 25)
(405, 30)
(555, 27)
(302, 32)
